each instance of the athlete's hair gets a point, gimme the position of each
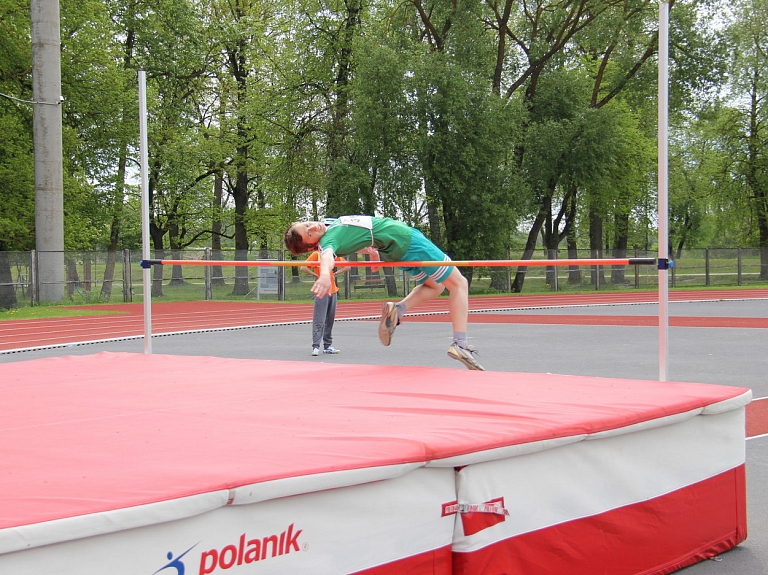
(294, 242)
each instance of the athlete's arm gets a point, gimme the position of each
(322, 285)
(374, 255)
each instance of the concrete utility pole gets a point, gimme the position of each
(49, 178)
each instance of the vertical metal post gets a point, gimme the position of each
(507, 275)
(637, 272)
(552, 254)
(127, 281)
(663, 209)
(707, 280)
(207, 275)
(673, 276)
(33, 291)
(147, 279)
(738, 266)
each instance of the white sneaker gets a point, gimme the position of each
(464, 355)
(331, 350)
(315, 351)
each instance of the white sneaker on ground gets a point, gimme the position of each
(332, 350)
(464, 355)
(315, 351)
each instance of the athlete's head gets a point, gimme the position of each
(302, 237)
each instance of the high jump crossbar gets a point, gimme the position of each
(148, 263)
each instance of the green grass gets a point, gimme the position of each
(47, 312)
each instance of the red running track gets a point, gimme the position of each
(127, 321)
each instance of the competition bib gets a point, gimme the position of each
(359, 221)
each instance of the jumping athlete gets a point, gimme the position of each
(389, 240)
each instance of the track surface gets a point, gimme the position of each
(175, 317)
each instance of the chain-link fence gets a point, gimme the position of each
(113, 277)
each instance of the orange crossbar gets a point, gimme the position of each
(464, 263)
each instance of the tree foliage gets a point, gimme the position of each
(493, 125)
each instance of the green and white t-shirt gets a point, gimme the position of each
(349, 234)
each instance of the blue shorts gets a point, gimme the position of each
(423, 250)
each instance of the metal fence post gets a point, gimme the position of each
(552, 254)
(33, 293)
(127, 283)
(207, 276)
(738, 266)
(637, 271)
(348, 279)
(507, 275)
(706, 266)
(672, 276)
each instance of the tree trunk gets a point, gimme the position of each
(433, 216)
(117, 200)
(177, 274)
(342, 198)
(72, 278)
(596, 246)
(620, 248)
(217, 275)
(574, 272)
(240, 195)
(530, 246)
(156, 234)
(109, 268)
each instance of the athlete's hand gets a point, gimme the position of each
(322, 286)
(373, 253)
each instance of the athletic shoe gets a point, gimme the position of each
(332, 350)
(315, 351)
(388, 322)
(464, 355)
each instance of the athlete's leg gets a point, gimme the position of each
(330, 317)
(392, 313)
(422, 293)
(458, 301)
(319, 314)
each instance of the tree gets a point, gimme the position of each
(16, 153)
(18, 193)
(602, 41)
(461, 134)
(749, 132)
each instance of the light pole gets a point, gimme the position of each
(49, 184)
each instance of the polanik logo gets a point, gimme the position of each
(175, 563)
(246, 550)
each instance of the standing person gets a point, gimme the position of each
(324, 311)
(390, 240)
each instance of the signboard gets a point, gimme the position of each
(269, 280)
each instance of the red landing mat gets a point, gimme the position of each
(93, 445)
